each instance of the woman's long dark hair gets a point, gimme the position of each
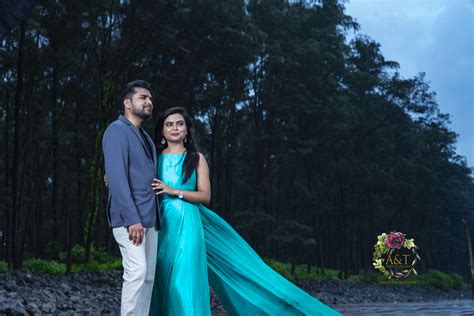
(192, 156)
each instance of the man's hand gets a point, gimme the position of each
(136, 233)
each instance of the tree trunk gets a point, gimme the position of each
(215, 123)
(319, 240)
(79, 204)
(69, 245)
(469, 250)
(228, 165)
(342, 221)
(65, 217)
(54, 177)
(6, 177)
(96, 180)
(258, 145)
(13, 255)
(23, 233)
(35, 201)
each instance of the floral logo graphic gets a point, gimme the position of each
(395, 255)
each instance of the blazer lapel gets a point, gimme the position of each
(135, 130)
(153, 147)
(142, 141)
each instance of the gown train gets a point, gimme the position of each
(197, 248)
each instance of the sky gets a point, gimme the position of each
(431, 36)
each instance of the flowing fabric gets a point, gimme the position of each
(197, 247)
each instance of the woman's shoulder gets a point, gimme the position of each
(202, 158)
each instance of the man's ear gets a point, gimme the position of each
(126, 104)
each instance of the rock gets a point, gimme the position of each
(65, 287)
(28, 277)
(99, 292)
(48, 307)
(107, 311)
(13, 308)
(32, 308)
(11, 286)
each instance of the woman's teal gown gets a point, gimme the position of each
(197, 248)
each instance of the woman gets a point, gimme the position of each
(197, 247)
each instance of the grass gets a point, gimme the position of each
(114, 264)
(3, 266)
(44, 266)
(433, 278)
(315, 273)
(279, 267)
(52, 267)
(301, 271)
(56, 264)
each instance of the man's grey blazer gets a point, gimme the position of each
(130, 168)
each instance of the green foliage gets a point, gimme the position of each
(98, 266)
(315, 273)
(301, 271)
(44, 266)
(3, 266)
(295, 237)
(53, 250)
(78, 254)
(52, 267)
(292, 234)
(279, 267)
(430, 278)
(250, 220)
(100, 260)
(99, 255)
(458, 282)
(317, 135)
(441, 280)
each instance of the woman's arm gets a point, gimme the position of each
(203, 193)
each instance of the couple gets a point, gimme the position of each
(169, 273)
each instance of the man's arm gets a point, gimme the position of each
(116, 150)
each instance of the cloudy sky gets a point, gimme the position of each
(431, 36)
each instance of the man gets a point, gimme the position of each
(132, 210)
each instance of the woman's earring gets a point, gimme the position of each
(163, 141)
(186, 139)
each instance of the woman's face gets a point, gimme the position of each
(174, 128)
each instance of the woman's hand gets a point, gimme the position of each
(203, 193)
(160, 187)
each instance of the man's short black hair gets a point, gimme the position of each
(129, 89)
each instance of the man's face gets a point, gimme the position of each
(141, 103)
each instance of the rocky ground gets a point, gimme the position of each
(337, 292)
(98, 293)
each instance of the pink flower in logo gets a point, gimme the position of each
(395, 240)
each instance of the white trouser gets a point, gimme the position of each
(139, 264)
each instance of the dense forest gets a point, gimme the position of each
(316, 143)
